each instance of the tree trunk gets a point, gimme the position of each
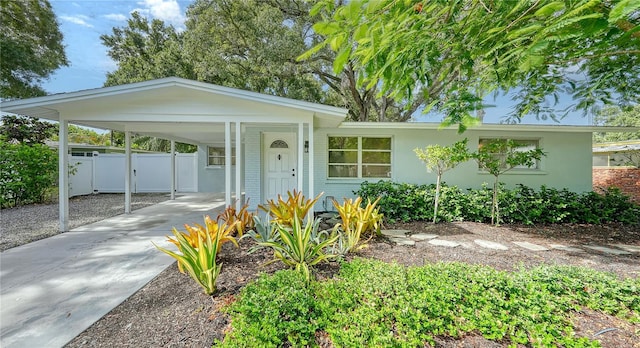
(494, 205)
(435, 206)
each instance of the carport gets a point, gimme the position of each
(185, 111)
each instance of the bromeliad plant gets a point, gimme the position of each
(356, 221)
(261, 232)
(299, 246)
(241, 219)
(283, 212)
(198, 250)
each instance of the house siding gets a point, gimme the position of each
(252, 166)
(567, 164)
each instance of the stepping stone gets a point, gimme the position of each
(629, 248)
(395, 233)
(607, 250)
(403, 241)
(566, 248)
(442, 242)
(419, 237)
(490, 245)
(530, 246)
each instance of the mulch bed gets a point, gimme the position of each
(172, 311)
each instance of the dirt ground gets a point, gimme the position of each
(172, 311)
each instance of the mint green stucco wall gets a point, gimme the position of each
(567, 164)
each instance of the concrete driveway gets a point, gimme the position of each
(53, 289)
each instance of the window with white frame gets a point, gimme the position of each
(216, 156)
(522, 146)
(359, 157)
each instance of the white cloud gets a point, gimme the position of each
(78, 19)
(166, 10)
(118, 17)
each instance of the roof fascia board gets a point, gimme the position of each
(486, 127)
(171, 82)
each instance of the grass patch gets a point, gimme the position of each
(372, 303)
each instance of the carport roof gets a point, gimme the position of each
(173, 108)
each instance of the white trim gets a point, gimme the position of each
(173, 169)
(311, 176)
(238, 166)
(300, 150)
(46, 101)
(127, 175)
(486, 127)
(227, 168)
(63, 175)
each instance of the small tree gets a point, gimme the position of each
(440, 159)
(498, 156)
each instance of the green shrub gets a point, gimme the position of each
(374, 304)
(410, 202)
(26, 173)
(273, 310)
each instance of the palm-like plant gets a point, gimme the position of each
(297, 249)
(198, 260)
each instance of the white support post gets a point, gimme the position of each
(227, 161)
(63, 175)
(311, 168)
(127, 175)
(300, 157)
(238, 165)
(173, 169)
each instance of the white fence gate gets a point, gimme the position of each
(150, 173)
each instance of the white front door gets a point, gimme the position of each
(280, 164)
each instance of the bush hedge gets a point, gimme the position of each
(410, 202)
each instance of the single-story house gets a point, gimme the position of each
(621, 153)
(277, 144)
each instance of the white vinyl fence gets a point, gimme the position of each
(105, 173)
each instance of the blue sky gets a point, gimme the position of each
(83, 21)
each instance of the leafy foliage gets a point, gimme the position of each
(275, 310)
(144, 51)
(409, 202)
(371, 303)
(355, 222)
(441, 159)
(261, 232)
(26, 173)
(25, 130)
(199, 250)
(297, 206)
(222, 233)
(620, 117)
(241, 219)
(300, 247)
(455, 53)
(31, 47)
(498, 156)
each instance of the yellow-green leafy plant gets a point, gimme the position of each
(283, 212)
(210, 227)
(241, 219)
(296, 246)
(356, 221)
(199, 260)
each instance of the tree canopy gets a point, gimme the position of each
(456, 53)
(30, 47)
(251, 45)
(615, 116)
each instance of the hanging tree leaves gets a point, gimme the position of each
(455, 53)
(30, 47)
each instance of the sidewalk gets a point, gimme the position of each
(53, 289)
